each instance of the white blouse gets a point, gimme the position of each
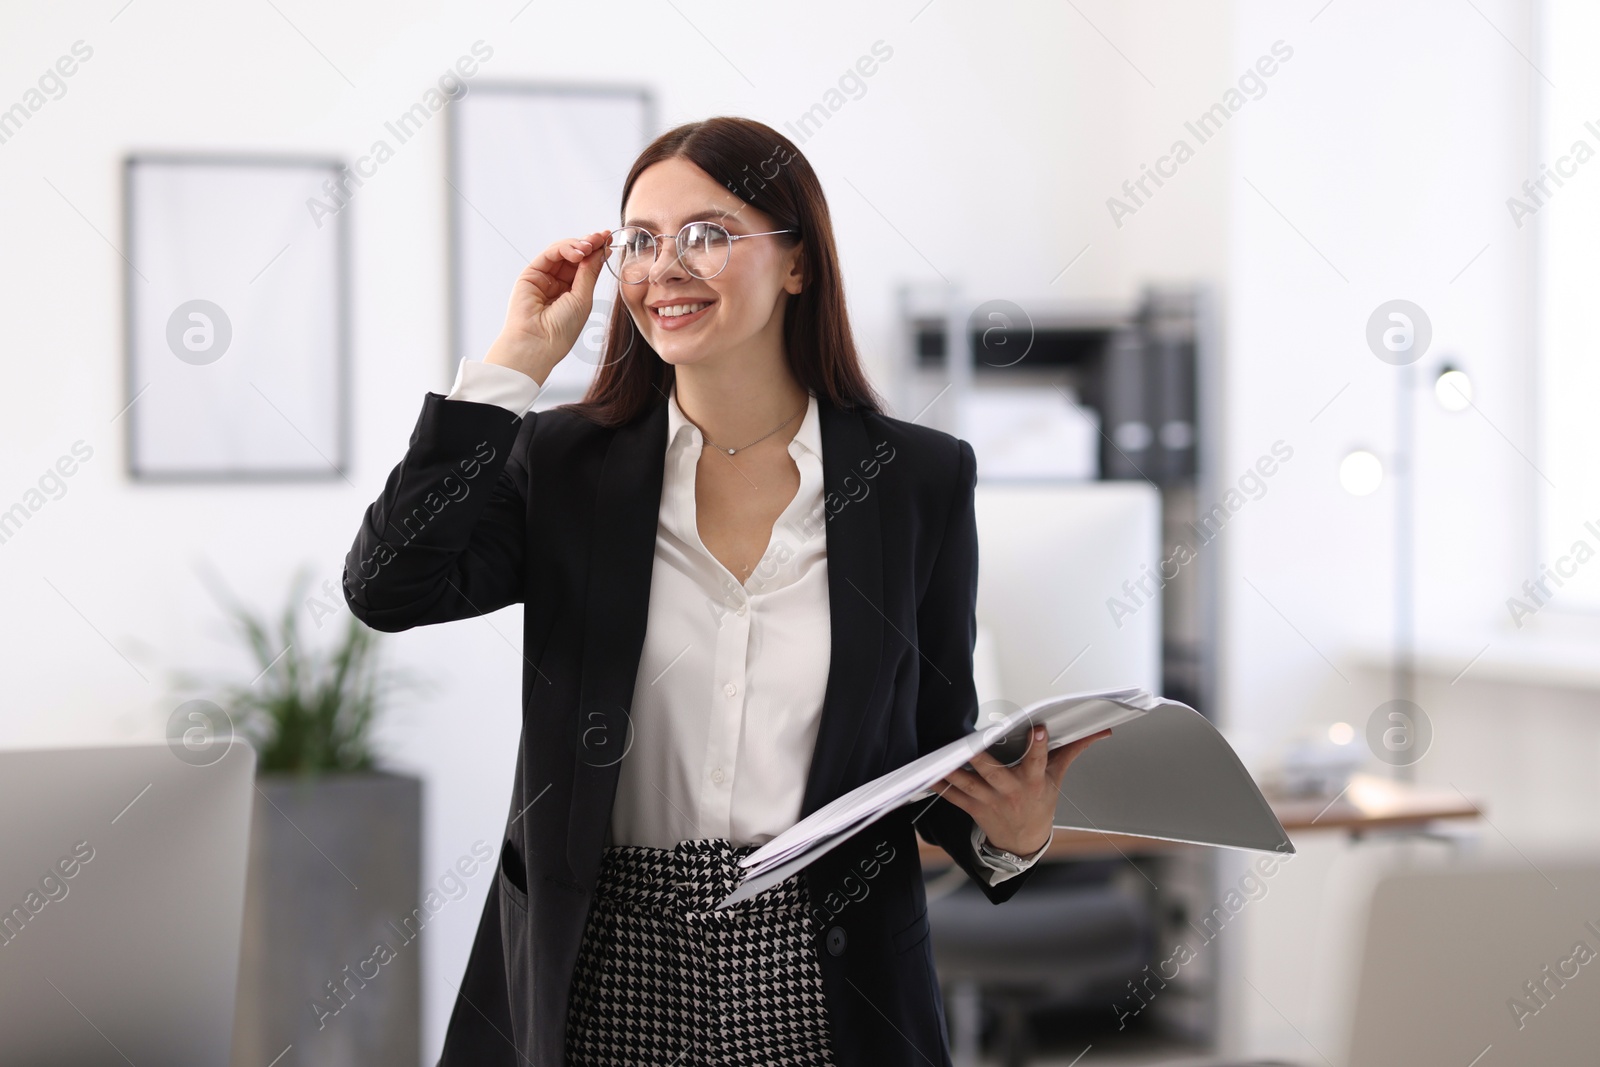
(728, 696)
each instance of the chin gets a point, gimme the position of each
(684, 355)
(682, 351)
(678, 357)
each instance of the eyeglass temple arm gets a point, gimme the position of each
(742, 236)
(731, 236)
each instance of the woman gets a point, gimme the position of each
(747, 591)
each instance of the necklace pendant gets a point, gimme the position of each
(731, 451)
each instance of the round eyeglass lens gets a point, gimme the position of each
(705, 249)
(632, 251)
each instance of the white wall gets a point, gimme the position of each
(987, 143)
(1387, 157)
(1390, 150)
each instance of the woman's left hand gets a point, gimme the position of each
(1016, 806)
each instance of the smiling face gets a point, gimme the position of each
(741, 309)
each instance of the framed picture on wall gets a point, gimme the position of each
(237, 326)
(530, 164)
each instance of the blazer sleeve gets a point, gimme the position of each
(445, 538)
(947, 699)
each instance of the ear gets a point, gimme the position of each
(794, 281)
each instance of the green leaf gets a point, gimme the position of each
(309, 710)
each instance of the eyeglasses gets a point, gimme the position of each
(703, 248)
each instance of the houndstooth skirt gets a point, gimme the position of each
(663, 979)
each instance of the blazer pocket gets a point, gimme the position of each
(914, 933)
(516, 957)
(513, 875)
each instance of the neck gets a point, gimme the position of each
(736, 403)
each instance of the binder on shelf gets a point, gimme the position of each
(1169, 364)
(1125, 451)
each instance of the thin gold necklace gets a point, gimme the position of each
(710, 444)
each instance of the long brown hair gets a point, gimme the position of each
(742, 154)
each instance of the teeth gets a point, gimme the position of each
(674, 310)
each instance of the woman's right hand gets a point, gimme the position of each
(550, 304)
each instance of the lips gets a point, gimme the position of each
(678, 321)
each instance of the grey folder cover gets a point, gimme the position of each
(1165, 772)
(1169, 774)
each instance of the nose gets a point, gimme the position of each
(667, 266)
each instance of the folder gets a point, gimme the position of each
(1165, 773)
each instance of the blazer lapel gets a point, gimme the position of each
(627, 509)
(855, 601)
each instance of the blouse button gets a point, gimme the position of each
(742, 610)
(716, 776)
(730, 689)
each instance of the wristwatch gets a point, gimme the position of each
(1009, 861)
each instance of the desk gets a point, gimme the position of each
(1367, 803)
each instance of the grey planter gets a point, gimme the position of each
(330, 961)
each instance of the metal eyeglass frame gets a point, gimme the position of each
(677, 244)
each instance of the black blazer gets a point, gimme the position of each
(551, 511)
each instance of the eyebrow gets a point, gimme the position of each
(696, 216)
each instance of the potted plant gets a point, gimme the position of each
(328, 963)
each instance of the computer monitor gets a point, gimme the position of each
(1069, 586)
(122, 879)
